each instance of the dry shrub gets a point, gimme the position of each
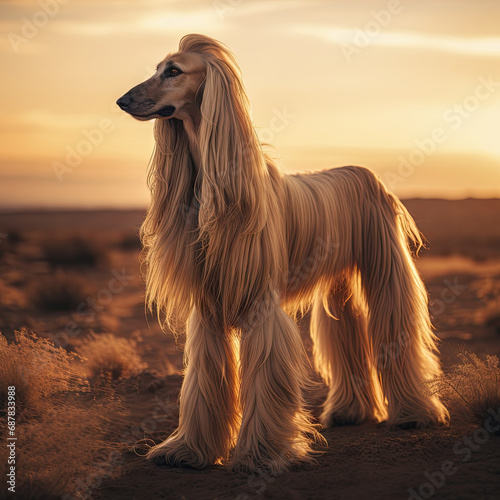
(60, 424)
(60, 292)
(9, 241)
(472, 387)
(58, 453)
(493, 321)
(14, 237)
(111, 357)
(72, 251)
(38, 370)
(129, 242)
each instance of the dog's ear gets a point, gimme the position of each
(233, 166)
(238, 219)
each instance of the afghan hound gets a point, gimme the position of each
(234, 247)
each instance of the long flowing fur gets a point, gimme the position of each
(168, 232)
(232, 243)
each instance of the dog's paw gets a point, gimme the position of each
(336, 419)
(415, 423)
(430, 414)
(250, 464)
(340, 417)
(262, 460)
(175, 452)
(406, 426)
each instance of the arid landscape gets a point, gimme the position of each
(97, 381)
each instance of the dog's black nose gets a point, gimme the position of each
(124, 101)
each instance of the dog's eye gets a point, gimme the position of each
(173, 72)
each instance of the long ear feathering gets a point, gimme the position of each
(237, 193)
(234, 170)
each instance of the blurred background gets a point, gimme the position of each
(408, 88)
(331, 83)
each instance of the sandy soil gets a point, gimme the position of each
(461, 270)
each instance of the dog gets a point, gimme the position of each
(235, 249)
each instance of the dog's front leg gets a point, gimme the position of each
(276, 430)
(208, 414)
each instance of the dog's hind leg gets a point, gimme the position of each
(276, 430)
(399, 324)
(208, 412)
(343, 354)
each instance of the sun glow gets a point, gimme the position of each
(367, 87)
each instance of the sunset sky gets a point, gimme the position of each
(408, 88)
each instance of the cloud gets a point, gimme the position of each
(150, 23)
(111, 17)
(476, 46)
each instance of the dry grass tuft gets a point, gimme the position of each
(60, 451)
(110, 357)
(38, 370)
(60, 292)
(472, 387)
(60, 423)
(72, 251)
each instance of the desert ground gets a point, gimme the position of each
(97, 380)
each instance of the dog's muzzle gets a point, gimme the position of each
(143, 109)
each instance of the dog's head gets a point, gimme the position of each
(177, 86)
(201, 85)
(170, 91)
